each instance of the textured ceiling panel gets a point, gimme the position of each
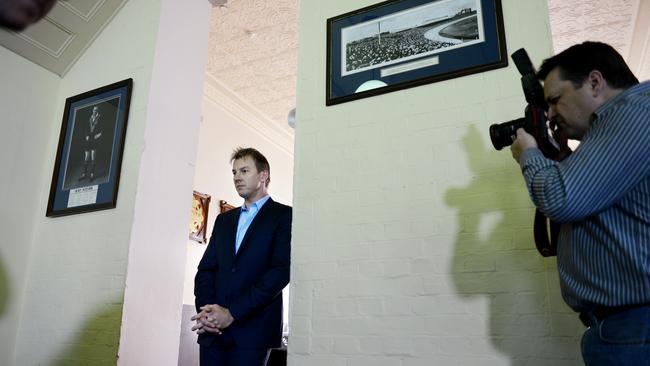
(253, 50)
(609, 21)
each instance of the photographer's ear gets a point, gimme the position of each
(596, 82)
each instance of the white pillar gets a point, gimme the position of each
(154, 283)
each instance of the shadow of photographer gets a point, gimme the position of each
(494, 258)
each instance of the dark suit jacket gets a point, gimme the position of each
(249, 283)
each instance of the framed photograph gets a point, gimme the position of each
(399, 44)
(225, 206)
(89, 156)
(199, 217)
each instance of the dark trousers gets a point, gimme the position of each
(213, 356)
(620, 338)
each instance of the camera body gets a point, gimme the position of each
(534, 121)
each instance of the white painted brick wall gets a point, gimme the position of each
(412, 237)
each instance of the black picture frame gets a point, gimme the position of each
(88, 162)
(424, 41)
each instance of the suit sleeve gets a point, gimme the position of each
(276, 277)
(205, 291)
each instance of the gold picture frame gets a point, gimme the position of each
(199, 216)
(225, 206)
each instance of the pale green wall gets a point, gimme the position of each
(81, 305)
(28, 103)
(412, 237)
(74, 288)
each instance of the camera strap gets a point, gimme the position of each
(546, 232)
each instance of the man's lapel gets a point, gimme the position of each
(259, 218)
(231, 235)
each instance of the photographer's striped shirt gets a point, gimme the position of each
(601, 195)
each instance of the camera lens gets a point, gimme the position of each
(503, 134)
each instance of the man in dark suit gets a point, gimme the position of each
(238, 286)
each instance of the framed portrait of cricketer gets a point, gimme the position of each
(88, 161)
(400, 44)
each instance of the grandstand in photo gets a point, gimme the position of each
(387, 47)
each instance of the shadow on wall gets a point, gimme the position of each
(97, 343)
(495, 257)
(4, 288)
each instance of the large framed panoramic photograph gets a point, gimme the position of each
(89, 155)
(399, 44)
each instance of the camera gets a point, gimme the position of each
(534, 121)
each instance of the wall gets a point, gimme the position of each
(412, 237)
(154, 284)
(76, 298)
(74, 293)
(28, 100)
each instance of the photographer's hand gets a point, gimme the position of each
(523, 141)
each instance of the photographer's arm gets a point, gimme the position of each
(534, 164)
(611, 160)
(523, 142)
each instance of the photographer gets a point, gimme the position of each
(600, 195)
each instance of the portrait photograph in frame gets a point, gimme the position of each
(89, 154)
(399, 44)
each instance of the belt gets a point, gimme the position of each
(597, 314)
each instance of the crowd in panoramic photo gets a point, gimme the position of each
(389, 46)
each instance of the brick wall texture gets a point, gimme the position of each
(412, 236)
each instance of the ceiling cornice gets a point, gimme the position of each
(58, 40)
(247, 114)
(640, 45)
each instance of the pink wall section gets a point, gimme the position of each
(154, 283)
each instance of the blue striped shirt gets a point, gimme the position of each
(601, 195)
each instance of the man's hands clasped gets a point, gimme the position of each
(212, 319)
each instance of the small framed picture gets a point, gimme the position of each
(86, 173)
(199, 217)
(399, 44)
(225, 206)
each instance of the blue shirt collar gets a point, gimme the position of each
(257, 204)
